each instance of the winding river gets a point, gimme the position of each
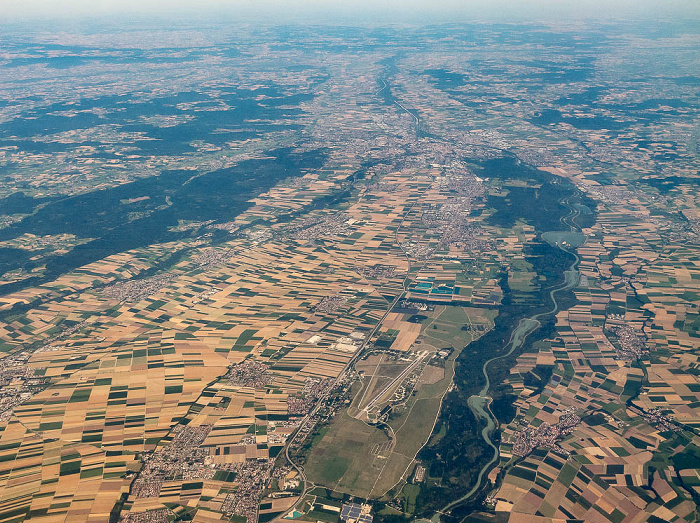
(480, 403)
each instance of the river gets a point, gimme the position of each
(480, 403)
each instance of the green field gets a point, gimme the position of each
(409, 494)
(333, 461)
(446, 329)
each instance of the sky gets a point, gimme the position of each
(381, 11)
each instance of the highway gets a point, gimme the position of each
(360, 351)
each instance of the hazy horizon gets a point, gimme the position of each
(323, 11)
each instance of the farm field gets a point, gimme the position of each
(255, 273)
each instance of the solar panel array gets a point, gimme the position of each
(353, 512)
